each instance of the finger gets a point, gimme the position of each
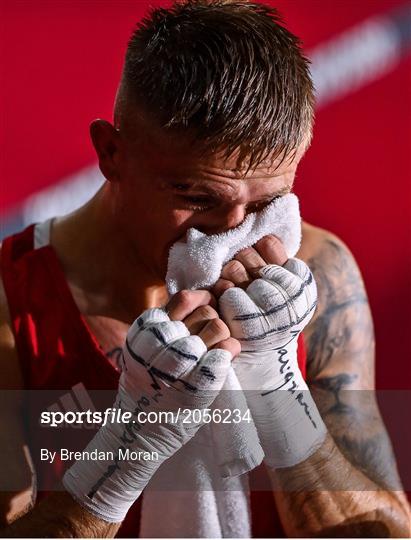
(292, 300)
(282, 278)
(271, 250)
(235, 272)
(250, 322)
(287, 298)
(252, 327)
(231, 345)
(199, 318)
(251, 260)
(185, 302)
(175, 360)
(301, 294)
(272, 301)
(154, 338)
(299, 268)
(148, 317)
(214, 331)
(210, 372)
(221, 286)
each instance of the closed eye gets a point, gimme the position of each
(260, 205)
(197, 203)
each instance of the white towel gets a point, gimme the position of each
(197, 263)
(188, 498)
(199, 492)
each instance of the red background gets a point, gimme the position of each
(59, 68)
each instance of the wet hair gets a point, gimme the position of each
(227, 72)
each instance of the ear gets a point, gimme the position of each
(106, 141)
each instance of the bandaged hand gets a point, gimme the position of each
(165, 369)
(266, 315)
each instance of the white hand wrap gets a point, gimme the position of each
(165, 368)
(267, 319)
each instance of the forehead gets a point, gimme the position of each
(177, 154)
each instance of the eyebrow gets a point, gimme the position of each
(279, 193)
(186, 186)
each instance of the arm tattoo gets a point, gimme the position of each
(353, 420)
(334, 385)
(341, 301)
(340, 365)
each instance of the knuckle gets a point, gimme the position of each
(299, 267)
(272, 240)
(184, 298)
(250, 257)
(247, 252)
(207, 312)
(231, 345)
(271, 243)
(220, 328)
(234, 267)
(219, 287)
(226, 286)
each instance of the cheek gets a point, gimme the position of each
(182, 218)
(165, 224)
(172, 225)
(152, 209)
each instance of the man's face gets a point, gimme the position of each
(164, 188)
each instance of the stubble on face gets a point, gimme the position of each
(171, 185)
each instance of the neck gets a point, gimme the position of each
(103, 264)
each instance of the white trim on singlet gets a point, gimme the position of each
(42, 233)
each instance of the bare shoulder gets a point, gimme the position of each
(324, 251)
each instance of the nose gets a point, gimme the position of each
(234, 216)
(227, 218)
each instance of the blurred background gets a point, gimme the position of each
(60, 64)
